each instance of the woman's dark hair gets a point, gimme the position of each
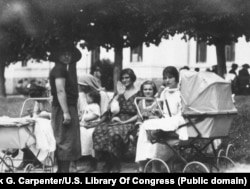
(130, 72)
(37, 91)
(172, 71)
(94, 68)
(148, 83)
(234, 66)
(95, 95)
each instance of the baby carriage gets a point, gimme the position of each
(208, 110)
(208, 106)
(21, 133)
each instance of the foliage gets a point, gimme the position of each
(217, 22)
(31, 28)
(107, 74)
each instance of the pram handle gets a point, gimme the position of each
(209, 114)
(137, 100)
(32, 99)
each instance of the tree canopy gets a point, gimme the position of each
(30, 28)
(217, 22)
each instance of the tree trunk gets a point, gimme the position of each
(2, 80)
(221, 59)
(95, 56)
(117, 65)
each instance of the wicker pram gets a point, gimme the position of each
(18, 134)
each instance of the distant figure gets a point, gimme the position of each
(96, 71)
(185, 68)
(197, 69)
(208, 70)
(234, 67)
(19, 86)
(232, 76)
(215, 69)
(244, 77)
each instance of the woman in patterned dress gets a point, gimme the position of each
(111, 137)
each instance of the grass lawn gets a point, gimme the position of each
(12, 106)
(239, 134)
(240, 130)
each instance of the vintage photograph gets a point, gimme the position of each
(124, 86)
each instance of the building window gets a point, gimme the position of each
(201, 52)
(230, 52)
(24, 63)
(136, 54)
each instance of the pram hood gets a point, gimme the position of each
(205, 93)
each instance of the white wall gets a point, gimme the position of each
(242, 49)
(174, 52)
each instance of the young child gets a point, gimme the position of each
(148, 109)
(91, 113)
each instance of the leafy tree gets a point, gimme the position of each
(34, 26)
(30, 29)
(121, 23)
(217, 22)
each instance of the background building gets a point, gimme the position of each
(147, 62)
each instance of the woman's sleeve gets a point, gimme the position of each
(104, 102)
(114, 106)
(60, 72)
(95, 109)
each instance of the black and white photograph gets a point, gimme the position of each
(125, 86)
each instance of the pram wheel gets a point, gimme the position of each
(195, 167)
(28, 168)
(7, 165)
(220, 153)
(230, 151)
(224, 163)
(156, 166)
(48, 165)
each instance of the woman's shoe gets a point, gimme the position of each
(116, 168)
(107, 168)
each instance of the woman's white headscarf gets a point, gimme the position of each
(91, 81)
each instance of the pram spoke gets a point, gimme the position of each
(230, 151)
(156, 165)
(221, 153)
(223, 163)
(29, 168)
(7, 164)
(195, 167)
(48, 165)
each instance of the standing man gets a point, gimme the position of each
(244, 80)
(234, 67)
(64, 89)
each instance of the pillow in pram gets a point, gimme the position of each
(161, 136)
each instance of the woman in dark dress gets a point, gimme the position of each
(111, 138)
(64, 119)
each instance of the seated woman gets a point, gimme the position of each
(145, 149)
(111, 137)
